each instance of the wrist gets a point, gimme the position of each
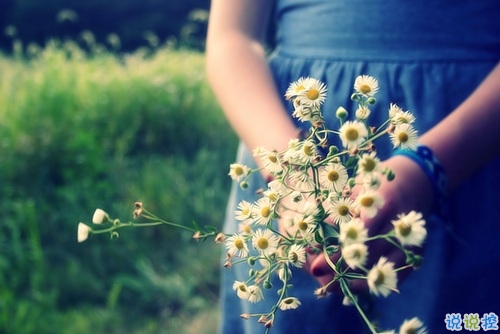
(432, 168)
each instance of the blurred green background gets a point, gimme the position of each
(104, 103)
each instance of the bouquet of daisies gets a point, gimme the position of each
(318, 193)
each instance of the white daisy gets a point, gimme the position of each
(382, 278)
(265, 241)
(366, 85)
(369, 163)
(241, 290)
(301, 181)
(308, 151)
(100, 216)
(276, 190)
(412, 326)
(270, 160)
(238, 171)
(355, 255)
(237, 246)
(262, 211)
(83, 232)
(303, 113)
(243, 211)
(394, 110)
(362, 113)
(341, 209)
(314, 94)
(404, 136)
(372, 181)
(291, 154)
(254, 294)
(289, 303)
(245, 228)
(353, 232)
(333, 177)
(398, 116)
(409, 229)
(305, 224)
(352, 134)
(296, 88)
(297, 255)
(369, 202)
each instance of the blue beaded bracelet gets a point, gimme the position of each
(425, 158)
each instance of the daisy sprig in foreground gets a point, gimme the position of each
(311, 193)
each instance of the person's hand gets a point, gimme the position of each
(410, 190)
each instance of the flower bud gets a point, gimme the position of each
(371, 100)
(100, 216)
(389, 174)
(244, 184)
(351, 182)
(332, 150)
(83, 232)
(341, 113)
(267, 285)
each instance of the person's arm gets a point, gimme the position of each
(470, 136)
(238, 73)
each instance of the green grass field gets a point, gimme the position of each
(86, 129)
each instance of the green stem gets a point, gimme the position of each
(347, 291)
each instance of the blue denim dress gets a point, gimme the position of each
(428, 57)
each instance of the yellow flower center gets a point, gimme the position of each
(309, 149)
(312, 94)
(365, 89)
(343, 210)
(243, 288)
(299, 88)
(262, 243)
(238, 243)
(238, 171)
(352, 234)
(272, 158)
(369, 165)
(333, 176)
(352, 134)
(379, 279)
(302, 225)
(265, 211)
(294, 257)
(367, 202)
(245, 212)
(403, 228)
(401, 119)
(273, 196)
(356, 254)
(403, 137)
(288, 301)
